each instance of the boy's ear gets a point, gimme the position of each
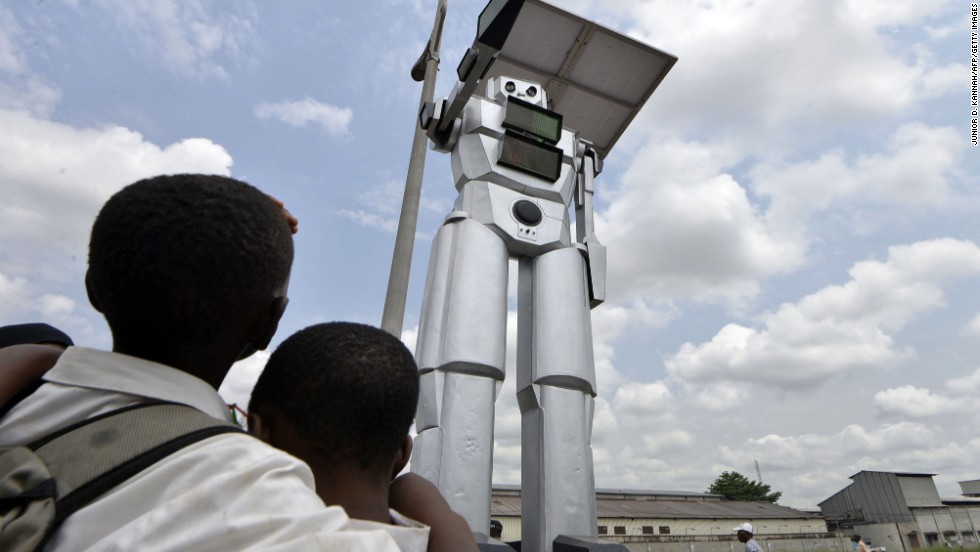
(402, 456)
(92, 298)
(267, 328)
(258, 428)
(264, 327)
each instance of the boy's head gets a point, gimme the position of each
(180, 261)
(349, 392)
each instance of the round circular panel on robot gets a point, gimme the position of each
(527, 212)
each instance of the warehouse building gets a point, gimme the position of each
(903, 511)
(645, 518)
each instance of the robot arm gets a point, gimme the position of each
(595, 253)
(441, 119)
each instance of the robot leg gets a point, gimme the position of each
(556, 386)
(460, 352)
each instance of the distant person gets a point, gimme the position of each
(496, 529)
(744, 532)
(342, 396)
(858, 544)
(27, 352)
(190, 272)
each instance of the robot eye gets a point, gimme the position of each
(510, 86)
(532, 91)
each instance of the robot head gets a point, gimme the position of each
(500, 87)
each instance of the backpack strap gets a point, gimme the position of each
(91, 457)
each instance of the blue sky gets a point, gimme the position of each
(792, 220)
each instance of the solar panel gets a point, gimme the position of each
(596, 78)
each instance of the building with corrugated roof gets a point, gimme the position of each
(670, 516)
(903, 510)
(970, 488)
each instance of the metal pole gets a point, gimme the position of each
(959, 536)
(401, 260)
(973, 527)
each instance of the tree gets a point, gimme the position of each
(735, 486)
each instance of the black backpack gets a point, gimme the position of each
(46, 481)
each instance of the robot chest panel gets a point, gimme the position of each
(486, 152)
(528, 224)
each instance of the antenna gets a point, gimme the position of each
(758, 472)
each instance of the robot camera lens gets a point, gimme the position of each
(532, 91)
(510, 86)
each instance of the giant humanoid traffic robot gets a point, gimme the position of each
(517, 172)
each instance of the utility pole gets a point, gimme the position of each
(401, 260)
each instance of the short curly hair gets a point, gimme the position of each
(178, 257)
(349, 389)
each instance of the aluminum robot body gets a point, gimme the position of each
(488, 191)
(501, 213)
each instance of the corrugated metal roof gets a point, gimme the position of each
(901, 474)
(668, 509)
(505, 506)
(648, 493)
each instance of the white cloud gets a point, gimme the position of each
(20, 89)
(680, 226)
(894, 12)
(973, 326)
(335, 120)
(945, 457)
(810, 452)
(641, 403)
(668, 441)
(410, 337)
(916, 170)
(604, 422)
(721, 398)
(370, 220)
(915, 402)
(56, 177)
(758, 68)
(380, 207)
(29, 94)
(608, 322)
(55, 307)
(943, 31)
(386, 198)
(964, 385)
(11, 56)
(13, 296)
(193, 38)
(238, 383)
(910, 401)
(841, 327)
(24, 300)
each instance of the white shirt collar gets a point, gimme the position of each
(83, 367)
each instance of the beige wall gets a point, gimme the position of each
(686, 527)
(714, 527)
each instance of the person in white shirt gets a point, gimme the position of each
(190, 272)
(744, 532)
(341, 396)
